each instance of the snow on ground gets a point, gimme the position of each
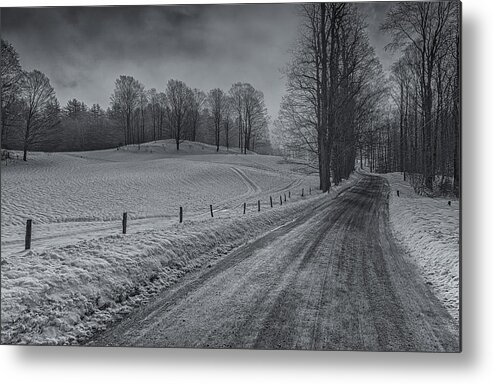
(429, 229)
(81, 195)
(63, 294)
(81, 272)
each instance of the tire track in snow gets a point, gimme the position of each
(252, 187)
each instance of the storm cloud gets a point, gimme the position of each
(84, 49)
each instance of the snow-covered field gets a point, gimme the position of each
(76, 196)
(81, 271)
(429, 229)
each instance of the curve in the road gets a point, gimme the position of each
(332, 279)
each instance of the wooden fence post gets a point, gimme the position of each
(289, 194)
(271, 201)
(258, 203)
(124, 222)
(28, 233)
(181, 214)
(397, 193)
(244, 208)
(302, 192)
(212, 214)
(280, 199)
(284, 197)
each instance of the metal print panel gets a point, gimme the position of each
(262, 176)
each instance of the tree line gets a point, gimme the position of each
(426, 90)
(341, 107)
(32, 118)
(179, 113)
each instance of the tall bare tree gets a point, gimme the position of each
(236, 94)
(250, 112)
(197, 102)
(329, 88)
(227, 118)
(124, 101)
(11, 81)
(142, 106)
(427, 27)
(163, 106)
(179, 97)
(154, 108)
(40, 111)
(217, 100)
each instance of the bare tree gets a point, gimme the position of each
(236, 94)
(251, 115)
(227, 117)
(154, 108)
(179, 97)
(142, 105)
(163, 106)
(124, 101)
(41, 109)
(217, 100)
(255, 115)
(360, 84)
(329, 88)
(11, 80)
(426, 26)
(197, 103)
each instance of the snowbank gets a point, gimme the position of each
(429, 229)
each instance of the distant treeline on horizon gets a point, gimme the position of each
(34, 120)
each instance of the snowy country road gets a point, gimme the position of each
(332, 279)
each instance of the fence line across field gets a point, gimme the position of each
(244, 205)
(181, 214)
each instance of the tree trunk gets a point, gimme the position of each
(217, 138)
(401, 129)
(227, 134)
(127, 130)
(323, 131)
(428, 126)
(26, 138)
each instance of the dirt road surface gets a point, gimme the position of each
(334, 278)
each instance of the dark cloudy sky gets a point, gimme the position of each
(83, 50)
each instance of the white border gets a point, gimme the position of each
(85, 365)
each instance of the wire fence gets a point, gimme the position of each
(283, 197)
